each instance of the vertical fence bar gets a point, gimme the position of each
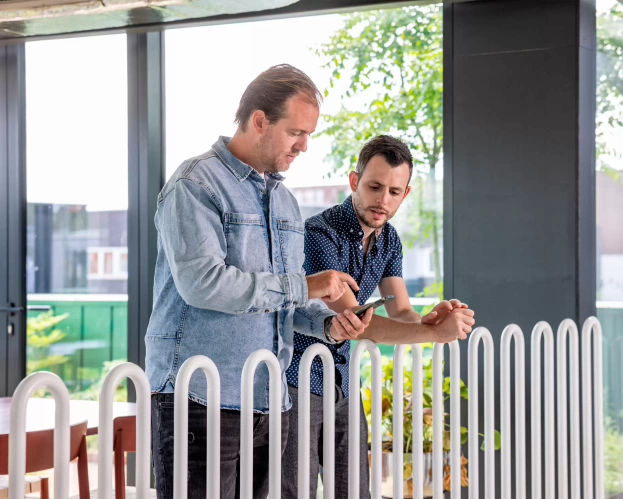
(438, 421)
(143, 426)
(568, 328)
(455, 418)
(354, 416)
(398, 423)
(510, 332)
(417, 442)
(213, 436)
(542, 329)
(246, 420)
(479, 334)
(418, 423)
(17, 440)
(592, 398)
(328, 415)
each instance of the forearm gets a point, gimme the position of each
(408, 315)
(228, 289)
(394, 332)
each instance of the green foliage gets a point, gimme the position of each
(609, 88)
(393, 59)
(41, 334)
(388, 402)
(613, 450)
(93, 391)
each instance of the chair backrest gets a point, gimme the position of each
(127, 424)
(40, 448)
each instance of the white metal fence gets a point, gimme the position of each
(583, 467)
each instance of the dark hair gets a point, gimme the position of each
(394, 150)
(272, 89)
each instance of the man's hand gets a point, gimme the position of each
(457, 325)
(347, 326)
(329, 285)
(441, 311)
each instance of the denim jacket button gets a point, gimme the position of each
(295, 303)
(267, 311)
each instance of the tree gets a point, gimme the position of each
(609, 88)
(393, 58)
(41, 334)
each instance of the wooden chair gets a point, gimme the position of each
(40, 457)
(124, 430)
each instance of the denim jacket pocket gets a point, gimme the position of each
(292, 242)
(247, 246)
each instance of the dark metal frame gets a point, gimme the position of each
(12, 217)
(146, 171)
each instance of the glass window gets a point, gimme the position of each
(77, 153)
(367, 93)
(610, 227)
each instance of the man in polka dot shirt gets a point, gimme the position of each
(356, 238)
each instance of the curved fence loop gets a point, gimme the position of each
(417, 400)
(481, 334)
(246, 421)
(17, 441)
(213, 436)
(510, 333)
(143, 427)
(568, 396)
(354, 418)
(542, 329)
(593, 397)
(328, 415)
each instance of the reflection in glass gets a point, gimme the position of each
(76, 91)
(610, 227)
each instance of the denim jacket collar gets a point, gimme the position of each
(240, 169)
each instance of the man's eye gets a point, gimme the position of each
(395, 193)
(374, 187)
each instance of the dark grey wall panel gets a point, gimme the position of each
(514, 177)
(519, 103)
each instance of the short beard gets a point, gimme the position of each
(265, 154)
(361, 214)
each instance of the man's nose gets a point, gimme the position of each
(383, 198)
(301, 144)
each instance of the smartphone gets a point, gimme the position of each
(374, 304)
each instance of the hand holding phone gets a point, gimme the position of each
(375, 304)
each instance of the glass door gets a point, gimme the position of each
(77, 192)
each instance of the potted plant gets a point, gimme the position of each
(406, 446)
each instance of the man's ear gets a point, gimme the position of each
(353, 180)
(259, 122)
(407, 191)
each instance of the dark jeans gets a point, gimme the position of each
(289, 475)
(162, 449)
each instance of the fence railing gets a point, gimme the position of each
(588, 471)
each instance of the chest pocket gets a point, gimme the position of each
(247, 247)
(292, 244)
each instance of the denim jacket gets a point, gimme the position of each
(229, 276)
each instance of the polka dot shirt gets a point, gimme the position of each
(333, 240)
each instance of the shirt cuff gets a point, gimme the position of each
(296, 290)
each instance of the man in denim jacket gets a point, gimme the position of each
(229, 279)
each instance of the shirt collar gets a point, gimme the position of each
(353, 227)
(240, 169)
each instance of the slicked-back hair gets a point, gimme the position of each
(271, 91)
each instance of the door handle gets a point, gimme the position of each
(12, 310)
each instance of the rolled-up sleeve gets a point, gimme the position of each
(190, 226)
